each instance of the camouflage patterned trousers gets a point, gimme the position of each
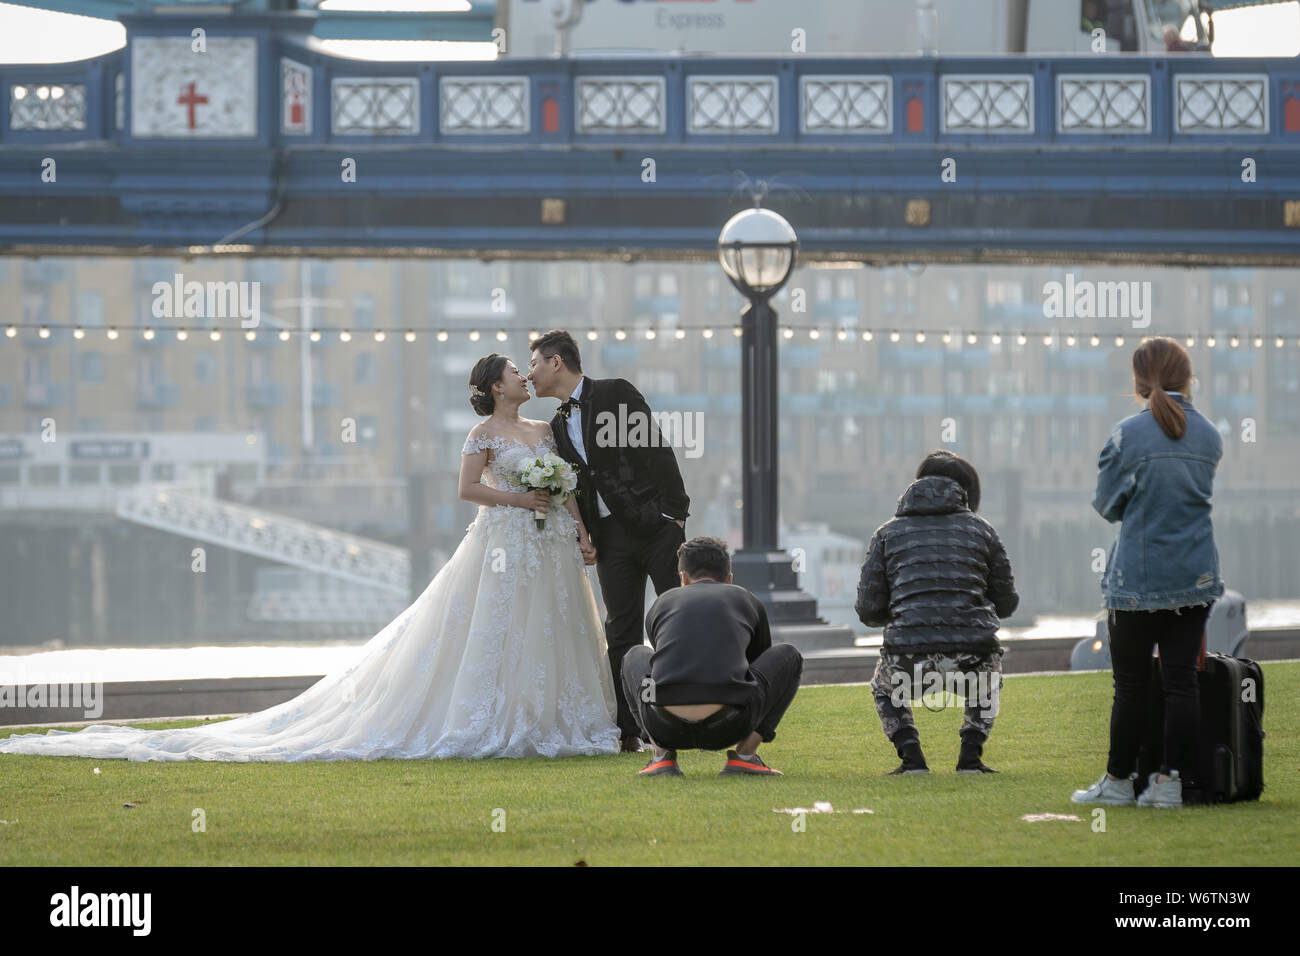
(899, 679)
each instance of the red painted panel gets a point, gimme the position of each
(915, 115)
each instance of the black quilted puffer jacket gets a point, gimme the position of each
(936, 576)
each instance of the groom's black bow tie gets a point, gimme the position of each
(566, 407)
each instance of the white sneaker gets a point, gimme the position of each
(1115, 793)
(1167, 795)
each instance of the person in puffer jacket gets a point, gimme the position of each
(937, 579)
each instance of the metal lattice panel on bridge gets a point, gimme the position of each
(376, 105)
(731, 104)
(267, 535)
(621, 104)
(988, 103)
(1114, 103)
(1221, 103)
(50, 108)
(846, 104)
(484, 104)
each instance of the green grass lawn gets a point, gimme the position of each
(1049, 739)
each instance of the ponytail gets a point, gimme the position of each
(1168, 413)
(1160, 363)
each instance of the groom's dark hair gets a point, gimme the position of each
(704, 557)
(561, 343)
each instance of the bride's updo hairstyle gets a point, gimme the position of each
(487, 372)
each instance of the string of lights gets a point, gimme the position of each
(1072, 339)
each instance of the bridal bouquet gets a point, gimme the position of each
(549, 473)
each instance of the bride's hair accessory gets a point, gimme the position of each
(475, 390)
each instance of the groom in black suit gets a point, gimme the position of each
(630, 493)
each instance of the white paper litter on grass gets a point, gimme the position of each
(819, 807)
(1040, 817)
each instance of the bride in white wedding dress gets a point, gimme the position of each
(503, 654)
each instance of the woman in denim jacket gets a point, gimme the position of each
(1156, 477)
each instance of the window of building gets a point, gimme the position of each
(259, 368)
(321, 274)
(1004, 292)
(83, 474)
(36, 369)
(363, 310)
(90, 368)
(148, 370)
(268, 271)
(44, 476)
(889, 436)
(124, 473)
(90, 308)
(36, 307)
(364, 368)
(205, 367)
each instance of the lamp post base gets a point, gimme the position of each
(791, 611)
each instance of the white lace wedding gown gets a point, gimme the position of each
(503, 655)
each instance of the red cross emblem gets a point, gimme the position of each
(190, 99)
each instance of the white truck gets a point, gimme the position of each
(856, 27)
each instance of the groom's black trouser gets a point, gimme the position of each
(623, 561)
(776, 675)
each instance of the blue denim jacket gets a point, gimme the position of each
(1159, 488)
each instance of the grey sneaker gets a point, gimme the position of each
(1115, 793)
(1168, 794)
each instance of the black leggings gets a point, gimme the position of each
(1177, 632)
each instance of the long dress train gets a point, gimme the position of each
(503, 655)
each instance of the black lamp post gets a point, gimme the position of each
(757, 250)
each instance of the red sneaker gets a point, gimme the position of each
(752, 764)
(664, 767)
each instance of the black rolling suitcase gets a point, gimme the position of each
(1231, 756)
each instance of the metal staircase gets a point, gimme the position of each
(182, 511)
